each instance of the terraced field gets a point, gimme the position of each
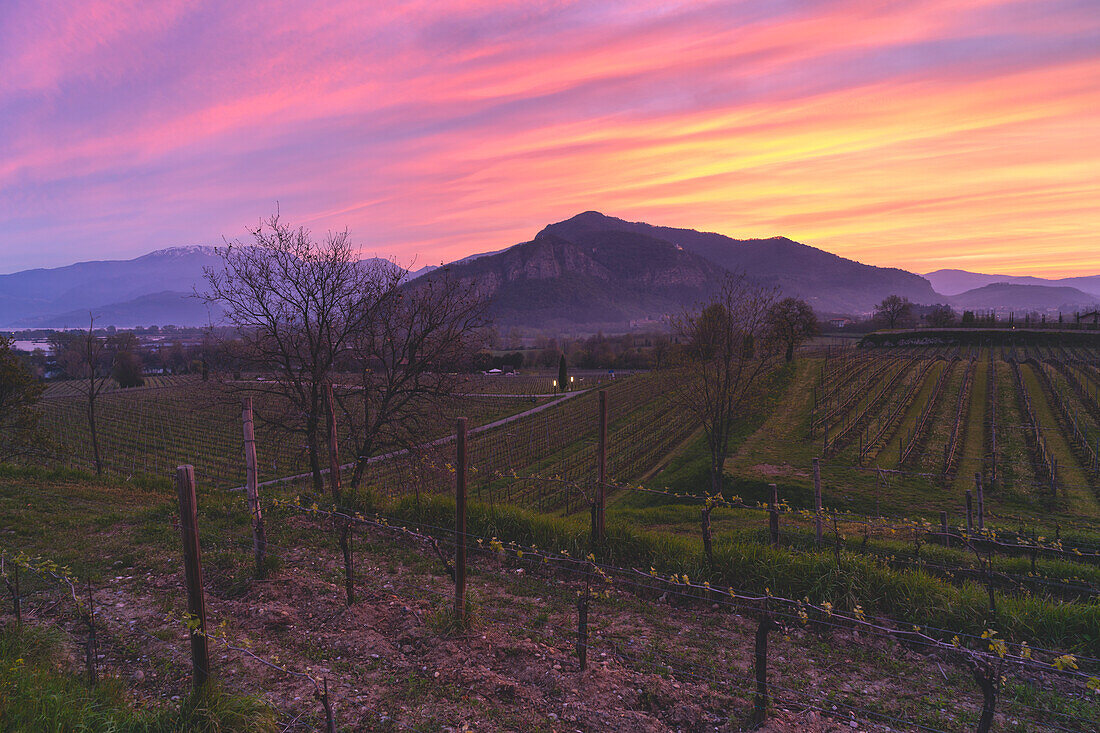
(901, 435)
(147, 432)
(905, 430)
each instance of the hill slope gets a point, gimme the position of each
(154, 289)
(166, 308)
(586, 272)
(828, 282)
(954, 282)
(31, 297)
(551, 282)
(1019, 297)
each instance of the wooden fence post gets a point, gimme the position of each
(192, 564)
(969, 515)
(17, 600)
(460, 521)
(333, 446)
(981, 501)
(252, 486)
(817, 502)
(773, 516)
(943, 529)
(599, 527)
(760, 699)
(708, 545)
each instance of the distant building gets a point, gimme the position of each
(840, 322)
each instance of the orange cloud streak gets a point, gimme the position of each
(924, 134)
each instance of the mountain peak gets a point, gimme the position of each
(183, 251)
(827, 281)
(591, 216)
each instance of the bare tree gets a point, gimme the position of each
(792, 322)
(894, 311)
(728, 347)
(413, 341)
(296, 305)
(84, 357)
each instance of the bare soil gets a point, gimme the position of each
(655, 664)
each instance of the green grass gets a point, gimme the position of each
(1077, 496)
(974, 429)
(911, 596)
(37, 693)
(888, 456)
(148, 432)
(662, 535)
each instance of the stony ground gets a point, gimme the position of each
(392, 660)
(391, 663)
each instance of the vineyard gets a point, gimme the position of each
(916, 528)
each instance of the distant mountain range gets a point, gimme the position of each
(955, 282)
(118, 292)
(590, 271)
(1002, 296)
(595, 271)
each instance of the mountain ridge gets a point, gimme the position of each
(589, 270)
(1007, 296)
(556, 283)
(953, 282)
(829, 282)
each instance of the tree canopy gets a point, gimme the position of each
(894, 311)
(792, 322)
(20, 434)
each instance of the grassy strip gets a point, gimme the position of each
(37, 694)
(906, 595)
(688, 469)
(746, 525)
(888, 456)
(1015, 473)
(930, 458)
(1072, 479)
(776, 433)
(973, 429)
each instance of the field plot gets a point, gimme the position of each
(905, 430)
(147, 432)
(881, 600)
(71, 388)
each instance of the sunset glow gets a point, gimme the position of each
(918, 134)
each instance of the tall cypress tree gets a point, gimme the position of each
(563, 373)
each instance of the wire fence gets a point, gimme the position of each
(543, 455)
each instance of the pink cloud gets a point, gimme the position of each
(876, 130)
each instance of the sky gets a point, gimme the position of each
(929, 134)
